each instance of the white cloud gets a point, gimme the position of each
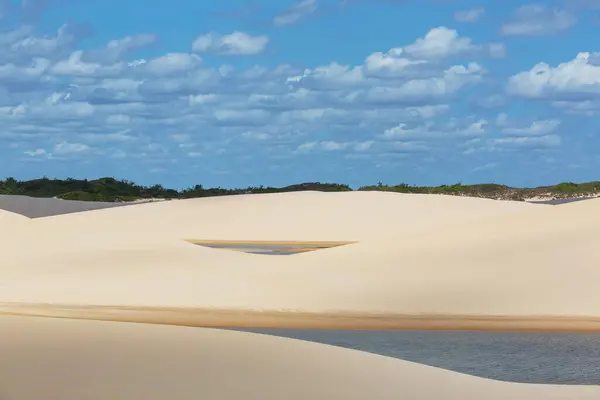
(538, 20)
(41, 46)
(65, 148)
(443, 42)
(431, 130)
(236, 43)
(470, 15)
(296, 12)
(408, 147)
(330, 145)
(118, 137)
(172, 63)
(116, 49)
(477, 128)
(452, 80)
(537, 128)
(529, 142)
(394, 63)
(577, 79)
(331, 76)
(74, 65)
(36, 152)
(509, 144)
(106, 103)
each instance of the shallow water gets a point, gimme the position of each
(265, 249)
(516, 357)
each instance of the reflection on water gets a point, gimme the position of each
(517, 357)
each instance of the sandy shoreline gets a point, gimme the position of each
(103, 360)
(228, 318)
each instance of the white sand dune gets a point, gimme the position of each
(294, 216)
(11, 224)
(419, 262)
(52, 359)
(7, 219)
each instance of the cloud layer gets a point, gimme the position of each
(62, 101)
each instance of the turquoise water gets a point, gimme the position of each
(515, 357)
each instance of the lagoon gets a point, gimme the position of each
(553, 358)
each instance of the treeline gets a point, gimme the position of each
(112, 190)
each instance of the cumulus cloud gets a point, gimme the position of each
(538, 20)
(443, 42)
(59, 101)
(578, 79)
(172, 63)
(236, 43)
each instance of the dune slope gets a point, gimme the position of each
(421, 262)
(289, 216)
(50, 359)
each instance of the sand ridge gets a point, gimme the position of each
(309, 216)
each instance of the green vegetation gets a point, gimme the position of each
(495, 191)
(110, 189)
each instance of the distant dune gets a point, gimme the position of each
(33, 207)
(417, 262)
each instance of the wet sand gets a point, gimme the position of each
(228, 318)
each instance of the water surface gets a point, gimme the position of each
(517, 357)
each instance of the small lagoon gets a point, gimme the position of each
(551, 358)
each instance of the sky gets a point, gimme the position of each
(240, 93)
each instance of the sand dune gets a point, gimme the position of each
(293, 216)
(10, 223)
(35, 207)
(7, 217)
(49, 359)
(420, 261)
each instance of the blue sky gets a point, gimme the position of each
(239, 93)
